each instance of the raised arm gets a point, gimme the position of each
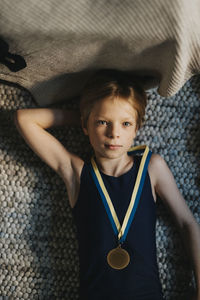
(31, 123)
(166, 188)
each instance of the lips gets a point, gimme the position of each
(113, 147)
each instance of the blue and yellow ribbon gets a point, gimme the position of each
(122, 231)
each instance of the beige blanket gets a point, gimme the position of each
(51, 47)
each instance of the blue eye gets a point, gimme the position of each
(101, 122)
(126, 124)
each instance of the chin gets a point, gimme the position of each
(112, 155)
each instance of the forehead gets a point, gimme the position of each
(114, 106)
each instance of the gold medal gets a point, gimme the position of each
(118, 258)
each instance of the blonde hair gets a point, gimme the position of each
(112, 84)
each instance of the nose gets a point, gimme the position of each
(113, 131)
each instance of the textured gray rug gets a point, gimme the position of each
(38, 247)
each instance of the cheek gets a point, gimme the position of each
(132, 134)
(98, 131)
(95, 134)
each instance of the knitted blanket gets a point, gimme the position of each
(51, 47)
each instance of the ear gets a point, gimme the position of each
(85, 130)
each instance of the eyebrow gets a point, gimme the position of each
(106, 118)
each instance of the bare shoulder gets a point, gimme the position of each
(157, 166)
(153, 167)
(156, 161)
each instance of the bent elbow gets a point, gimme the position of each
(18, 117)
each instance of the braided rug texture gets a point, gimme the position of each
(38, 246)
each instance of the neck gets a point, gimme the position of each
(115, 166)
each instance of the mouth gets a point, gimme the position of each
(113, 147)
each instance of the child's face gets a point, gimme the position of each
(111, 127)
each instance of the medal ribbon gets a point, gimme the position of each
(122, 231)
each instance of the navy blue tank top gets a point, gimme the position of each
(140, 279)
